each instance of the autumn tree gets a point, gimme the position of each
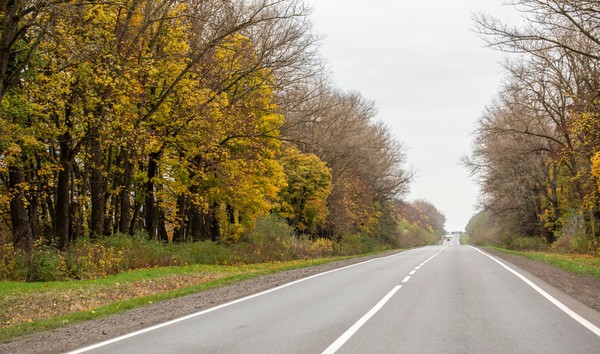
(550, 115)
(129, 108)
(303, 201)
(366, 162)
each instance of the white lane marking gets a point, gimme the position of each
(417, 268)
(412, 272)
(180, 319)
(335, 346)
(406, 278)
(587, 324)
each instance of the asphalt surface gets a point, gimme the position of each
(438, 299)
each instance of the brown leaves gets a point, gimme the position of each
(25, 308)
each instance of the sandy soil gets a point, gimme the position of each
(584, 289)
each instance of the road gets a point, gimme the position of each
(437, 299)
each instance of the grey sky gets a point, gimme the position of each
(430, 77)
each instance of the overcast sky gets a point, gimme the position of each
(430, 77)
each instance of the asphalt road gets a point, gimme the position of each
(438, 299)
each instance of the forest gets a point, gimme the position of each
(186, 123)
(537, 145)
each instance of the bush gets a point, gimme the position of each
(352, 244)
(88, 259)
(205, 252)
(7, 261)
(322, 247)
(271, 240)
(140, 252)
(527, 244)
(44, 264)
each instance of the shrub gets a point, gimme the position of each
(7, 261)
(88, 259)
(527, 243)
(44, 264)
(351, 244)
(322, 247)
(141, 252)
(271, 240)
(204, 252)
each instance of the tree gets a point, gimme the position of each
(304, 199)
(549, 111)
(366, 162)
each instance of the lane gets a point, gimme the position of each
(465, 302)
(448, 298)
(305, 317)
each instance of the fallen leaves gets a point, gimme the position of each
(30, 307)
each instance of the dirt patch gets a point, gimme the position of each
(585, 289)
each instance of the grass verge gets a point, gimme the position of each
(27, 308)
(573, 263)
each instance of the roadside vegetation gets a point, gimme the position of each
(112, 274)
(36, 306)
(155, 133)
(536, 152)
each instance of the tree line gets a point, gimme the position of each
(537, 145)
(185, 120)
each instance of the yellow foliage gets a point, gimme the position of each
(94, 260)
(596, 168)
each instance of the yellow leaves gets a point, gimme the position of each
(596, 168)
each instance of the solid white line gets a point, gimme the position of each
(335, 346)
(587, 324)
(180, 319)
(406, 278)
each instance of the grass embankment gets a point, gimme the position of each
(575, 263)
(34, 307)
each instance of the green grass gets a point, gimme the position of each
(227, 275)
(573, 263)
(464, 239)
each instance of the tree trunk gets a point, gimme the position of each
(179, 232)
(124, 195)
(96, 185)
(22, 234)
(61, 218)
(150, 212)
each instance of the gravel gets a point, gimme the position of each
(584, 289)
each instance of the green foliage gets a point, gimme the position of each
(44, 264)
(482, 231)
(575, 263)
(411, 235)
(304, 198)
(89, 259)
(271, 240)
(357, 244)
(527, 243)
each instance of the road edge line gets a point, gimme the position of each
(218, 307)
(574, 315)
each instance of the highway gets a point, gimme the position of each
(437, 299)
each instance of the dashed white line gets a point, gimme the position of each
(356, 326)
(180, 319)
(335, 346)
